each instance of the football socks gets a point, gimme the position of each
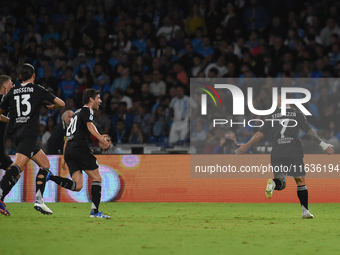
(8, 181)
(64, 182)
(96, 190)
(302, 194)
(40, 183)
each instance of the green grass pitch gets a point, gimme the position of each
(171, 228)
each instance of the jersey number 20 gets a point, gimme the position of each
(72, 127)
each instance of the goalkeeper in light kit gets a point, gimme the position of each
(287, 151)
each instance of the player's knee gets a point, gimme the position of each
(46, 165)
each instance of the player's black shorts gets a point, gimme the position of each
(26, 145)
(288, 166)
(77, 159)
(5, 161)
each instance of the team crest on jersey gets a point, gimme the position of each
(91, 117)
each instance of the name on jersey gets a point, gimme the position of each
(285, 140)
(22, 119)
(288, 114)
(23, 90)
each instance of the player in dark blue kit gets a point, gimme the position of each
(287, 151)
(78, 155)
(24, 103)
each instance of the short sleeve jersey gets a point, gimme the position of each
(77, 133)
(284, 132)
(24, 103)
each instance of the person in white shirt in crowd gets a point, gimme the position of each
(219, 65)
(168, 29)
(180, 111)
(157, 86)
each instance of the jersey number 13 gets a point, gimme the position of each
(23, 101)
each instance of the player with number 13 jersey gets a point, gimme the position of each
(24, 103)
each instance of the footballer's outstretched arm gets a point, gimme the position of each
(325, 146)
(244, 147)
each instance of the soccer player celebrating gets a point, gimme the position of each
(287, 151)
(24, 103)
(77, 153)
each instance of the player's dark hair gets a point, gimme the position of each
(26, 71)
(90, 93)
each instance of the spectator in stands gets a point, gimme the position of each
(140, 41)
(123, 81)
(168, 29)
(122, 114)
(181, 75)
(84, 78)
(194, 21)
(121, 134)
(231, 20)
(255, 17)
(55, 143)
(119, 94)
(159, 124)
(219, 65)
(137, 135)
(51, 33)
(180, 112)
(122, 43)
(68, 87)
(157, 86)
(328, 30)
(146, 97)
(142, 118)
(101, 85)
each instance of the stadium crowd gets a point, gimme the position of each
(141, 53)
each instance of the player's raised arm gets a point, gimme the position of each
(244, 147)
(325, 146)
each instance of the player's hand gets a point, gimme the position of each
(243, 148)
(51, 106)
(330, 150)
(103, 143)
